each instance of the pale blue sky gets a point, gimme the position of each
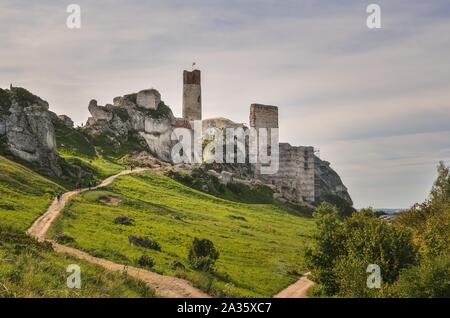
(376, 102)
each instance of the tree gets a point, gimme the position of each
(344, 249)
(430, 279)
(435, 238)
(321, 259)
(440, 193)
(369, 240)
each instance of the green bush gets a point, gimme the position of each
(203, 255)
(145, 261)
(430, 279)
(5, 102)
(345, 247)
(64, 239)
(343, 207)
(24, 98)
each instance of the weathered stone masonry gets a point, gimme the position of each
(192, 95)
(295, 176)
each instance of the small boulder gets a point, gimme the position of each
(144, 242)
(123, 220)
(226, 177)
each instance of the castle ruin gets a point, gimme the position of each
(295, 176)
(294, 179)
(298, 176)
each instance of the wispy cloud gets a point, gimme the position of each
(376, 102)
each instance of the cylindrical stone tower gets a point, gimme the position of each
(192, 95)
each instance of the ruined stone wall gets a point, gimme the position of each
(295, 176)
(192, 95)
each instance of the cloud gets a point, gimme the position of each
(364, 97)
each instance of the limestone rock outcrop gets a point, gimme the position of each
(328, 182)
(148, 98)
(142, 115)
(66, 120)
(26, 124)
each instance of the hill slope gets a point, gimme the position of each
(261, 245)
(24, 194)
(31, 269)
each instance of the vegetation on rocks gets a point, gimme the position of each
(162, 112)
(239, 192)
(23, 97)
(5, 102)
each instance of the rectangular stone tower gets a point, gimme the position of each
(192, 95)
(263, 116)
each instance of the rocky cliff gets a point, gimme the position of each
(142, 115)
(328, 183)
(26, 129)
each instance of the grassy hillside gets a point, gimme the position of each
(79, 151)
(261, 245)
(31, 269)
(24, 194)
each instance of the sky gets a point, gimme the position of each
(376, 102)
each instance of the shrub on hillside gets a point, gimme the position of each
(430, 279)
(343, 207)
(345, 247)
(144, 242)
(177, 265)
(145, 261)
(203, 255)
(63, 239)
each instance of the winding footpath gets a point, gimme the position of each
(165, 286)
(297, 290)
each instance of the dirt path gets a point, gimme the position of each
(297, 290)
(165, 286)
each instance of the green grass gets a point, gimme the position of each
(24, 195)
(32, 269)
(238, 192)
(261, 245)
(78, 150)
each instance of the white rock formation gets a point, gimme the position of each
(148, 99)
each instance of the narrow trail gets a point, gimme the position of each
(297, 290)
(165, 286)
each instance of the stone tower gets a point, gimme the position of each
(192, 95)
(263, 116)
